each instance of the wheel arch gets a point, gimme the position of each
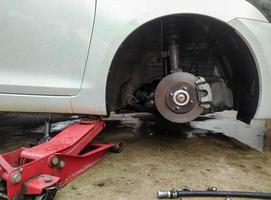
(113, 27)
(243, 117)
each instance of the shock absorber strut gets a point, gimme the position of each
(173, 43)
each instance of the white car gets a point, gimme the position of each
(179, 58)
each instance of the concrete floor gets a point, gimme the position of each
(152, 161)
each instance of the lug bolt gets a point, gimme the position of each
(16, 177)
(48, 179)
(191, 101)
(177, 108)
(54, 161)
(185, 88)
(171, 94)
(61, 164)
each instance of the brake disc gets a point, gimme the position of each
(178, 97)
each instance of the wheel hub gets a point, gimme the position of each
(181, 97)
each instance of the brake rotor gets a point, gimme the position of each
(176, 97)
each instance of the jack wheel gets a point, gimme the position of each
(117, 148)
(48, 194)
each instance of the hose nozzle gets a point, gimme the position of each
(167, 194)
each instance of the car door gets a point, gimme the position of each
(44, 45)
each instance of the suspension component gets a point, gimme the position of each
(173, 42)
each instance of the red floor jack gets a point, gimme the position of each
(36, 173)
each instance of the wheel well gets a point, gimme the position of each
(209, 48)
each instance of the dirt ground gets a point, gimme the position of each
(152, 161)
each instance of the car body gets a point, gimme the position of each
(56, 56)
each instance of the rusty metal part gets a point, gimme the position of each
(166, 96)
